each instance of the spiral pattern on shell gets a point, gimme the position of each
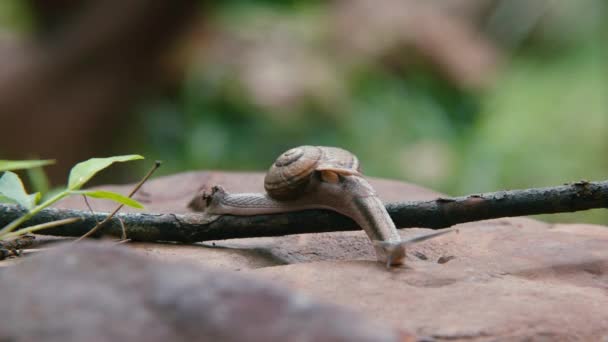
(293, 169)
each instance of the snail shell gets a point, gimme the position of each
(293, 170)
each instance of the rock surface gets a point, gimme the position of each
(106, 293)
(511, 278)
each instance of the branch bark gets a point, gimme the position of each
(439, 213)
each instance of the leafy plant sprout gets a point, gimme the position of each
(13, 191)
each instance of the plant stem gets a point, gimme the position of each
(20, 220)
(109, 217)
(41, 226)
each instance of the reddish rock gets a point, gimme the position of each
(103, 293)
(511, 278)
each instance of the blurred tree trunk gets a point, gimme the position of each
(68, 92)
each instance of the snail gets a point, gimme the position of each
(318, 177)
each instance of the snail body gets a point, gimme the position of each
(318, 177)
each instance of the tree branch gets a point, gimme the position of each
(439, 213)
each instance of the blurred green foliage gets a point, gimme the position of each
(15, 16)
(542, 122)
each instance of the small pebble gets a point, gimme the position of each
(420, 256)
(445, 259)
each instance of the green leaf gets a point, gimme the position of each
(12, 190)
(8, 165)
(38, 180)
(83, 171)
(110, 196)
(4, 199)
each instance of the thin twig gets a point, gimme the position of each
(122, 227)
(86, 201)
(135, 189)
(439, 213)
(34, 250)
